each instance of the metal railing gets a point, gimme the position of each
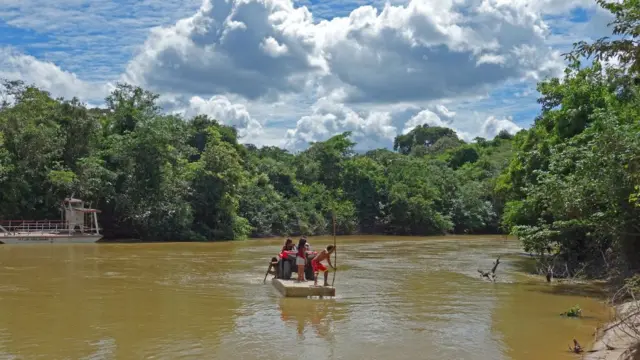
(41, 226)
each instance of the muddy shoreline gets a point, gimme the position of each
(618, 339)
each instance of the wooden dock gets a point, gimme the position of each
(291, 288)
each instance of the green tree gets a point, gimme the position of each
(424, 136)
(161, 177)
(625, 49)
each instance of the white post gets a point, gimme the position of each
(95, 220)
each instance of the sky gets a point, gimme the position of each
(286, 73)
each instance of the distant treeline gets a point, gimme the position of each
(162, 177)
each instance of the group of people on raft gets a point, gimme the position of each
(301, 251)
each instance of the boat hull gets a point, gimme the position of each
(49, 239)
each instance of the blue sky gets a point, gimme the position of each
(286, 73)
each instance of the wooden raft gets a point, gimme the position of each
(291, 288)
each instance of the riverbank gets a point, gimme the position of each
(498, 237)
(618, 340)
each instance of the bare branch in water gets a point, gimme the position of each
(491, 275)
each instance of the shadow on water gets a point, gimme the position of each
(318, 315)
(595, 291)
(526, 265)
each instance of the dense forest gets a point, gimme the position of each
(569, 185)
(162, 177)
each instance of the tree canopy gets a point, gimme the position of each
(572, 185)
(163, 177)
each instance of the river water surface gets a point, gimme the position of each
(397, 298)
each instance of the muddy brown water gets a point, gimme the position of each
(397, 298)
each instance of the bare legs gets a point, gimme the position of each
(326, 278)
(301, 273)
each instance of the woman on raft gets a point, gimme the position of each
(301, 259)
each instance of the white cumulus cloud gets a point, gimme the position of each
(282, 75)
(329, 118)
(222, 109)
(423, 50)
(492, 126)
(48, 76)
(251, 48)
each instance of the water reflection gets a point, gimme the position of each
(311, 313)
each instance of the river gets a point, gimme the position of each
(397, 298)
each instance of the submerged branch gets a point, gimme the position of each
(491, 275)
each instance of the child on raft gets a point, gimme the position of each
(301, 259)
(318, 266)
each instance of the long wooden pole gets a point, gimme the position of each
(335, 250)
(267, 274)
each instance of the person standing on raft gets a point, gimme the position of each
(318, 266)
(301, 259)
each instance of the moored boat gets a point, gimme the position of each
(79, 224)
